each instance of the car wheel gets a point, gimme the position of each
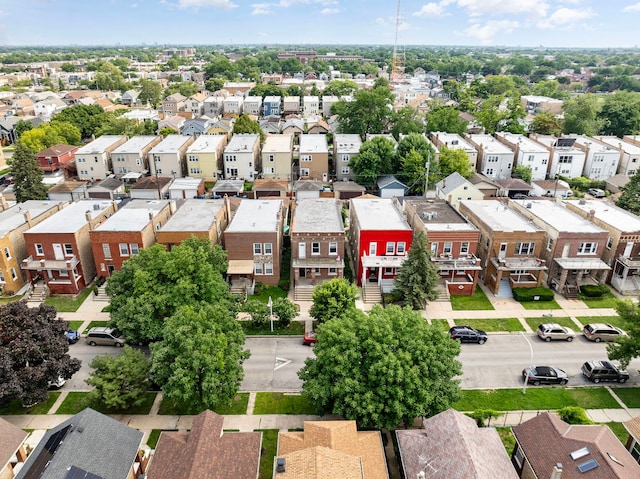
(597, 340)
(564, 381)
(622, 380)
(91, 343)
(596, 380)
(118, 345)
(569, 339)
(536, 383)
(482, 341)
(547, 339)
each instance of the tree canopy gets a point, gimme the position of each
(49, 134)
(627, 347)
(86, 118)
(621, 114)
(33, 352)
(27, 175)
(150, 92)
(523, 172)
(446, 119)
(369, 112)
(454, 160)
(244, 124)
(332, 298)
(418, 277)
(375, 158)
(630, 197)
(581, 115)
(381, 368)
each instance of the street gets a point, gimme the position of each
(85, 353)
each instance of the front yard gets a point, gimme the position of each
(476, 302)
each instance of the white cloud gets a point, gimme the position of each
(485, 33)
(196, 4)
(330, 11)
(133, 5)
(260, 9)
(381, 21)
(289, 3)
(565, 18)
(430, 10)
(632, 8)
(501, 7)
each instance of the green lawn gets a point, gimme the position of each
(97, 323)
(507, 438)
(67, 305)
(629, 396)
(619, 430)
(606, 301)
(613, 320)
(238, 406)
(10, 299)
(280, 403)
(536, 398)
(561, 320)
(553, 304)
(295, 328)
(154, 435)
(493, 324)
(75, 324)
(442, 324)
(15, 407)
(267, 291)
(77, 401)
(477, 302)
(269, 446)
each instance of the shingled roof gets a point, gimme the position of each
(11, 438)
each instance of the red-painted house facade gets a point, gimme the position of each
(58, 157)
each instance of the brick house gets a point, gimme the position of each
(134, 154)
(57, 157)
(200, 218)
(253, 241)
(314, 158)
(317, 244)
(124, 234)
(452, 239)
(379, 239)
(573, 245)
(509, 245)
(93, 161)
(59, 248)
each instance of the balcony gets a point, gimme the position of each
(448, 262)
(39, 264)
(510, 264)
(631, 262)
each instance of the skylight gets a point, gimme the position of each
(579, 453)
(588, 465)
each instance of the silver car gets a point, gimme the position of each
(550, 331)
(602, 332)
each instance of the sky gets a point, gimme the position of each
(514, 23)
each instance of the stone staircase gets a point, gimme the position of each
(371, 293)
(443, 294)
(38, 294)
(571, 291)
(303, 293)
(102, 294)
(504, 290)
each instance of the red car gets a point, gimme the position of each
(309, 338)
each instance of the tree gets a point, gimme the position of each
(27, 175)
(410, 142)
(418, 277)
(406, 120)
(546, 123)
(199, 362)
(523, 172)
(381, 368)
(446, 119)
(46, 135)
(214, 84)
(21, 127)
(489, 116)
(87, 118)
(412, 154)
(621, 114)
(33, 352)
(369, 112)
(150, 92)
(185, 88)
(119, 382)
(341, 88)
(152, 285)
(454, 160)
(581, 115)
(630, 197)
(375, 158)
(285, 311)
(267, 89)
(414, 171)
(244, 124)
(333, 299)
(627, 347)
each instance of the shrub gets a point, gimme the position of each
(593, 290)
(482, 415)
(574, 415)
(530, 294)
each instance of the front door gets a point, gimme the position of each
(503, 251)
(57, 251)
(325, 177)
(565, 250)
(302, 250)
(627, 249)
(111, 268)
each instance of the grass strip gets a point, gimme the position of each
(511, 325)
(478, 301)
(14, 407)
(77, 401)
(280, 403)
(269, 445)
(67, 305)
(238, 406)
(533, 305)
(295, 328)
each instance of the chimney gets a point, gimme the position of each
(591, 214)
(557, 471)
(87, 215)
(3, 203)
(27, 218)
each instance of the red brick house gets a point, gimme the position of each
(379, 240)
(59, 247)
(58, 157)
(129, 230)
(453, 241)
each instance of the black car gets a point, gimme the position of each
(597, 371)
(545, 375)
(467, 334)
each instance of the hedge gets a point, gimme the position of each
(530, 294)
(593, 290)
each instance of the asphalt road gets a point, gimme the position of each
(275, 361)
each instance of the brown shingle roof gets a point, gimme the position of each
(67, 187)
(56, 150)
(150, 183)
(206, 453)
(547, 440)
(320, 463)
(11, 437)
(633, 427)
(270, 184)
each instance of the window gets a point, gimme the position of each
(315, 248)
(68, 249)
(124, 249)
(492, 159)
(333, 249)
(304, 172)
(565, 159)
(544, 161)
(7, 253)
(345, 170)
(391, 248)
(268, 268)
(257, 268)
(389, 271)
(257, 248)
(14, 276)
(609, 243)
(39, 249)
(525, 248)
(530, 158)
(268, 248)
(464, 247)
(194, 171)
(549, 244)
(271, 158)
(447, 248)
(373, 247)
(519, 455)
(346, 158)
(434, 249)
(306, 158)
(2, 280)
(401, 247)
(106, 250)
(333, 271)
(64, 272)
(588, 248)
(134, 248)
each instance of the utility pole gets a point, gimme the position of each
(426, 180)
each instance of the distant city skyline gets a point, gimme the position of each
(513, 23)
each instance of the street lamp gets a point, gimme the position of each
(526, 378)
(270, 304)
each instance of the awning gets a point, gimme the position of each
(581, 263)
(132, 175)
(240, 266)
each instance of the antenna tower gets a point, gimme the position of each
(397, 63)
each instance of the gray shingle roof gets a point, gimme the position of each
(451, 182)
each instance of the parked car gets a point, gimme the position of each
(309, 338)
(596, 192)
(467, 334)
(72, 336)
(58, 383)
(104, 336)
(520, 196)
(545, 375)
(597, 371)
(549, 331)
(602, 332)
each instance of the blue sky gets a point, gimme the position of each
(551, 23)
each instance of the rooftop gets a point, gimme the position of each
(524, 143)
(256, 216)
(73, 217)
(453, 141)
(378, 214)
(317, 215)
(277, 143)
(57, 150)
(499, 217)
(438, 215)
(135, 144)
(13, 217)
(171, 144)
(99, 145)
(185, 183)
(194, 215)
(610, 214)
(134, 216)
(616, 142)
(242, 142)
(347, 143)
(560, 218)
(313, 144)
(490, 145)
(596, 146)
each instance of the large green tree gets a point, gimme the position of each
(150, 92)
(341, 88)
(333, 298)
(581, 115)
(47, 135)
(406, 120)
(412, 155)
(620, 114)
(630, 197)
(627, 347)
(454, 160)
(199, 362)
(546, 123)
(381, 368)
(86, 118)
(152, 285)
(418, 277)
(27, 175)
(375, 158)
(446, 119)
(244, 124)
(369, 112)
(523, 172)
(33, 352)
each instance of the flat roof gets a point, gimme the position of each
(313, 144)
(135, 144)
(277, 143)
(12, 218)
(133, 216)
(99, 145)
(523, 142)
(549, 141)
(206, 144)
(347, 143)
(72, 218)
(616, 142)
(378, 214)
(186, 182)
(560, 218)
(541, 99)
(170, 144)
(596, 145)
(499, 217)
(194, 216)
(489, 144)
(242, 142)
(256, 216)
(453, 141)
(438, 215)
(317, 215)
(610, 214)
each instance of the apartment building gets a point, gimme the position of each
(314, 157)
(204, 157)
(495, 160)
(132, 156)
(601, 159)
(168, 156)
(453, 141)
(527, 153)
(566, 159)
(345, 146)
(277, 156)
(241, 157)
(93, 161)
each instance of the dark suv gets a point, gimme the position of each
(466, 334)
(597, 371)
